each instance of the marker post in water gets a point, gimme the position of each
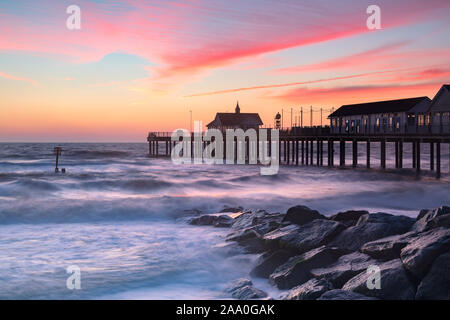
(57, 151)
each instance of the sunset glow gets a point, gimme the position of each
(136, 66)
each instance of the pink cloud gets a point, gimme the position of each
(188, 37)
(18, 78)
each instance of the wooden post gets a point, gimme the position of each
(438, 159)
(293, 151)
(307, 152)
(355, 152)
(329, 152)
(284, 151)
(400, 154)
(383, 153)
(342, 153)
(414, 154)
(296, 152)
(321, 152)
(431, 156)
(368, 154)
(303, 152)
(332, 152)
(288, 151)
(396, 155)
(318, 152)
(418, 156)
(312, 152)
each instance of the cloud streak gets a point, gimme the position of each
(18, 78)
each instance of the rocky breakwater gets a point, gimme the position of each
(310, 256)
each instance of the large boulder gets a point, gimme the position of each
(371, 227)
(421, 251)
(269, 261)
(428, 219)
(310, 290)
(297, 270)
(306, 237)
(345, 268)
(388, 248)
(350, 217)
(339, 294)
(249, 228)
(302, 215)
(242, 289)
(249, 238)
(436, 284)
(253, 218)
(394, 285)
(222, 221)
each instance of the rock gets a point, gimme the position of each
(223, 221)
(227, 209)
(421, 251)
(436, 284)
(243, 289)
(297, 270)
(425, 218)
(249, 238)
(237, 284)
(371, 227)
(349, 218)
(269, 262)
(310, 290)
(394, 284)
(301, 215)
(306, 237)
(251, 218)
(338, 294)
(212, 220)
(387, 248)
(440, 221)
(345, 268)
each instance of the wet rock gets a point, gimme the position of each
(249, 238)
(345, 268)
(427, 218)
(227, 209)
(212, 220)
(306, 237)
(440, 221)
(269, 262)
(338, 294)
(297, 270)
(301, 215)
(395, 283)
(310, 290)
(242, 289)
(260, 220)
(388, 248)
(421, 251)
(223, 221)
(349, 218)
(372, 227)
(436, 284)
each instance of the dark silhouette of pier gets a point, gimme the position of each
(306, 147)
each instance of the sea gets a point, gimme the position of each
(121, 217)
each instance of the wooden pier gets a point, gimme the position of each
(308, 149)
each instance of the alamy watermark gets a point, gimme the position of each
(73, 282)
(209, 148)
(73, 22)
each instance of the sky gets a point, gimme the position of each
(140, 66)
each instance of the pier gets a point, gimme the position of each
(310, 147)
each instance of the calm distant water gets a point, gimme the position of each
(121, 217)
